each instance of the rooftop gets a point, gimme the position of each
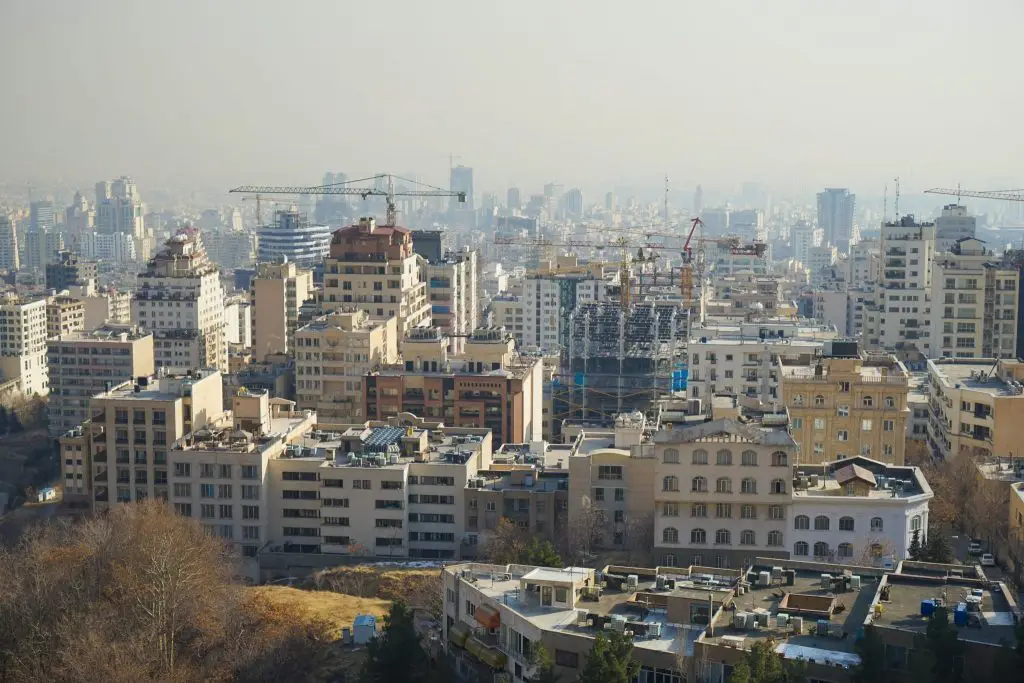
(167, 387)
(223, 436)
(974, 374)
(886, 481)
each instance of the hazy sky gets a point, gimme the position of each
(791, 93)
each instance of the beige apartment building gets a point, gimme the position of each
(103, 305)
(23, 343)
(133, 425)
(64, 315)
(278, 292)
(84, 364)
(375, 268)
(976, 407)
(452, 292)
(333, 355)
(845, 403)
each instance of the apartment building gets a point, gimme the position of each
(862, 263)
(10, 258)
(238, 323)
(549, 294)
(488, 386)
(900, 313)
(333, 355)
(103, 304)
(803, 237)
(974, 298)
(84, 364)
(375, 268)
(64, 315)
(820, 261)
(977, 406)
(846, 403)
(277, 293)
(746, 296)
(137, 422)
(832, 306)
(68, 270)
(953, 225)
(23, 343)
(452, 291)
(180, 299)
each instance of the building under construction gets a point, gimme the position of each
(617, 359)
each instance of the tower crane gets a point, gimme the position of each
(389, 193)
(1004, 195)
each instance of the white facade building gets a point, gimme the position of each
(954, 224)
(294, 238)
(23, 343)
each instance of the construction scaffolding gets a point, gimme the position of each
(618, 360)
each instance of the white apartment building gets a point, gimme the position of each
(743, 365)
(974, 298)
(293, 238)
(375, 268)
(84, 364)
(900, 314)
(102, 306)
(9, 256)
(862, 262)
(803, 236)
(23, 343)
(832, 307)
(953, 225)
(819, 262)
(116, 247)
(181, 300)
(238, 322)
(452, 292)
(547, 300)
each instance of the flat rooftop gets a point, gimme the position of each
(382, 448)
(967, 376)
(543, 454)
(221, 436)
(166, 388)
(903, 609)
(794, 342)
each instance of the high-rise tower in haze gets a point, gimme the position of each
(514, 200)
(8, 243)
(461, 181)
(698, 200)
(835, 216)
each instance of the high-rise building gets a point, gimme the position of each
(574, 203)
(375, 268)
(180, 299)
(609, 202)
(79, 218)
(698, 200)
(41, 216)
(835, 216)
(801, 237)
(452, 291)
(954, 224)
(84, 364)
(514, 200)
(462, 181)
(333, 355)
(64, 315)
(278, 291)
(68, 270)
(119, 208)
(748, 224)
(9, 257)
(41, 247)
(293, 237)
(23, 343)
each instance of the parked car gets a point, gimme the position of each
(974, 548)
(987, 560)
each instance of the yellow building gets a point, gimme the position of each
(64, 315)
(845, 403)
(278, 291)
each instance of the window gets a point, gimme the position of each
(819, 401)
(776, 512)
(842, 435)
(800, 549)
(778, 486)
(865, 425)
(224, 491)
(723, 510)
(620, 516)
(844, 387)
(699, 484)
(748, 485)
(821, 523)
(670, 509)
(671, 456)
(183, 490)
(669, 560)
(888, 425)
(226, 512)
(207, 490)
(780, 459)
(599, 495)
(877, 524)
(225, 472)
(915, 523)
(798, 399)
(819, 448)
(801, 522)
(206, 470)
(887, 450)
(699, 510)
(890, 402)
(821, 549)
(846, 523)
(747, 537)
(819, 423)
(723, 457)
(843, 411)
(700, 457)
(670, 484)
(183, 469)
(250, 492)
(723, 485)
(620, 496)
(748, 459)
(698, 537)
(775, 539)
(609, 472)
(845, 550)
(748, 512)
(670, 535)
(798, 422)
(868, 402)
(250, 512)
(723, 537)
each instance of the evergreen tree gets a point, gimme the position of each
(13, 423)
(542, 554)
(914, 551)
(741, 673)
(4, 421)
(610, 660)
(937, 548)
(872, 667)
(945, 647)
(544, 666)
(396, 656)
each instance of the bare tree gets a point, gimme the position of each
(639, 540)
(506, 544)
(874, 549)
(582, 535)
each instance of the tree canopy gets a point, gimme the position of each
(396, 655)
(610, 660)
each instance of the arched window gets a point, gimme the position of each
(890, 402)
(669, 560)
(915, 523)
(877, 525)
(700, 457)
(747, 537)
(748, 512)
(845, 550)
(698, 510)
(700, 485)
(671, 456)
(798, 399)
(800, 549)
(723, 457)
(748, 459)
(670, 483)
(723, 537)
(846, 523)
(748, 485)
(780, 459)
(868, 401)
(801, 522)
(775, 539)
(778, 486)
(821, 523)
(670, 535)
(723, 485)
(819, 401)
(821, 549)
(698, 537)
